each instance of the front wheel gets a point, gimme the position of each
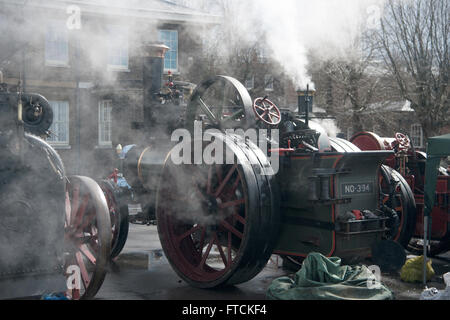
(87, 237)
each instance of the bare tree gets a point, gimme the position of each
(353, 87)
(237, 54)
(414, 41)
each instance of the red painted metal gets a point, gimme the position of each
(193, 244)
(266, 111)
(441, 211)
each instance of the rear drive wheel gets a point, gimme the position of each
(218, 223)
(396, 194)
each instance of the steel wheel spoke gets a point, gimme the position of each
(232, 117)
(83, 270)
(208, 111)
(239, 218)
(236, 184)
(209, 186)
(188, 233)
(75, 202)
(222, 254)
(232, 229)
(274, 115)
(208, 250)
(229, 249)
(81, 211)
(87, 253)
(230, 204)
(225, 181)
(219, 173)
(202, 240)
(88, 219)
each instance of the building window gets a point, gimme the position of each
(104, 123)
(56, 44)
(262, 55)
(59, 131)
(417, 135)
(268, 82)
(117, 48)
(170, 39)
(250, 83)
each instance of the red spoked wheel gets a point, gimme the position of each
(87, 237)
(266, 111)
(403, 140)
(118, 215)
(396, 194)
(213, 226)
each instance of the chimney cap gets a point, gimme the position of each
(156, 50)
(302, 92)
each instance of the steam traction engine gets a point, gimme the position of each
(411, 164)
(51, 226)
(219, 222)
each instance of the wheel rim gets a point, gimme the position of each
(222, 195)
(395, 202)
(114, 214)
(87, 235)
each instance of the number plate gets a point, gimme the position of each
(357, 188)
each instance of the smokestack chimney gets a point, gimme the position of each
(305, 102)
(1, 77)
(153, 69)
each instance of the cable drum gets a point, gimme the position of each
(37, 114)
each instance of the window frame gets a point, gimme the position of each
(266, 81)
(252, 79)
(101, 105)
(59, 143)
(110, 41)
(413, 135)
(160, 31)
(59, 27)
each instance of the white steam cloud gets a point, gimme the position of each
(293, 28)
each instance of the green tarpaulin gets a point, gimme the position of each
(322, 278)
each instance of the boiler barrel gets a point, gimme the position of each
(142, 165)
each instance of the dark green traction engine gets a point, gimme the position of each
(316, 190)
(220, 223)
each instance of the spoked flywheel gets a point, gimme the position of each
(87, 236)
(221, 102)
(396, 194)
(217, 223)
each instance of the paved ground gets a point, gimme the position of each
(142, 272)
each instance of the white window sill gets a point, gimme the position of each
(268, 90)
(174, 72)
(61, 146)
(118, 69)
(104, 146)
(57, 64)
